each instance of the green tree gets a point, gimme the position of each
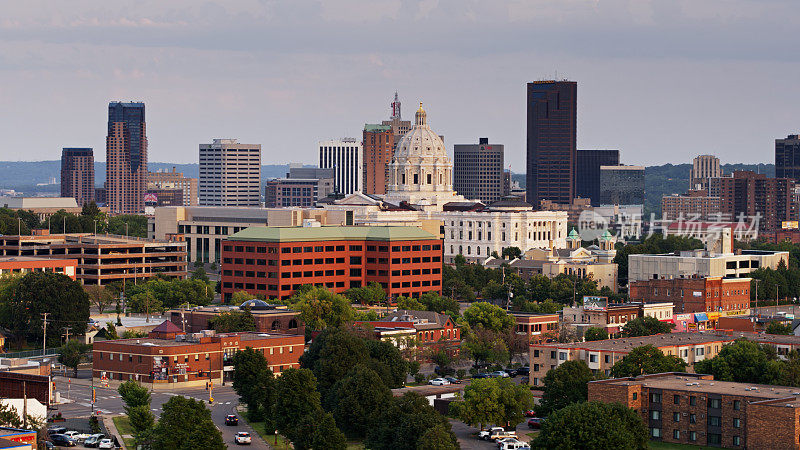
(433, 301)
(72, 354)
(437, 438)
(646, 326)
(326, 435)
(387, 361)
(136, 225)
(743, 361)
(133, 394)
(512, 252)
(356, 399)
(493, 401)
(490, 317)
(595, 334)
(240, 297)
(145, 302)
(403, 423)
(99, 296)
(200, 274)
(186, 424)
(320, 308)
(776, 327)
(566, 384)
(253, 382)
(645, 360)
(576, 427)
(141, 419)
(410, 304)
(370, 294)
(296, 398)
(484, 346)
(233, 321)
(331, 356)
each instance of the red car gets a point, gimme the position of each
(535, 422)
(530, 413)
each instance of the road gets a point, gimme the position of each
(468, 441)
(109, 403)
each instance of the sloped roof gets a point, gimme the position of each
(167, 327)
(435, 320)
(331, 233)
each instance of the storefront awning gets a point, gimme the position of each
(700, 317)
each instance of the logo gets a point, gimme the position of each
(591, 225)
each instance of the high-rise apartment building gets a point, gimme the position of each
(694, 205)
(126, 158)
(378, 149)
(77, 174)
(587, 172)
(478, 170)
(751, 195)
(230, 173)
(174, 180)
(621, 185)
(704, 167)
(787, 157)
(551, 140)
(399, 126)
(346, 157)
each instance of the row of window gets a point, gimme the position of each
(713, 438)
(332, 248)
(354, 260)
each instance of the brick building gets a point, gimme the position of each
(174, 180)
(695, 204)
(276, 261)
(170, 358)
(25, 264)
(693, 295)
(378, 149)
(538, 327)
(694, 409)
(748, 193)
(600, 356)
(431, 330)
(77, 174)
(126, 158)
(268, 318)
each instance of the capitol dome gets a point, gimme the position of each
(420, 141)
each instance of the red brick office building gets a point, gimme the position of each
(170, 358)
(695, 295)
(276, 261)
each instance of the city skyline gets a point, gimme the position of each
(674, 74)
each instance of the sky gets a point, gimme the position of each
(663, 81)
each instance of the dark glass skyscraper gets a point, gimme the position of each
(126, 158)
(587, 172)
(551, 141)
(787, 157)
(77, 174)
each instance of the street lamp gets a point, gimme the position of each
(276, 437)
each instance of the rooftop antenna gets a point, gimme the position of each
(396, 107)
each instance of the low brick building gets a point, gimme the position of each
(696, 295)
(24, 264)
(432, 331)
(169, 358)
(268, 318)
(538, 327)
(694, 409)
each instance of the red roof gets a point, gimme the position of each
(167, 327)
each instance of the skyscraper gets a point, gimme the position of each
(346, 157)
(77, 174)
(551, 140)
(230, 174)
(787, 157)
(126, 158)
(378, 149)
(587, 172)
(478, 170)
(621, 185)
(704, 167)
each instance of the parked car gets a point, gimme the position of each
(438, 382)
(62, 440)
(453, 380)
(76, 436)
(500, 434)
(514, 445)
(480, 375)
(242, 438)
(499, 374)
(524, 371)
(530, 413)
(231, 420)
(502, 441)
(94, 440)
(535, 422)
(56, 430)
(49, 445)
(511, 372)
(486, 433)
(106, 443)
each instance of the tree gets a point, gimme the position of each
(566, 384)
(145, 302)
(517, 344)
(253, 382)
(387, 362)
(493, 400)
(595, 334)
(645, 360)
(10, 417)
(331, 356)
(409, 303)
(200, 274)
(491, 317)
(356, 399)
(370, 294)
(326, 435)
(512, 252)
(133, 394)
(776, 327)
(437, 438)
(141, 419)
(233, 321)
(402, 424)
(296, 398)
(240, 297)
(72, 354)
(186, 424)
(484, 346)
(320, 308)
(646, 326)
(576, 427)
(99, 296)
(743, 361)
(433, 301)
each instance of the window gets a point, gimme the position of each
(655, 397)
(692, 418)
(655, 414)
(692, 400)
(714, 403)
(737, 441)
(737, 423)
(693, 436)
(737, 405)
(676, 434)
(635, 395)
(714, 421)
(655, 432)
(593, 358)
(676, 417)
(714, 438)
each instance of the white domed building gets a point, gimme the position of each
(421, 173)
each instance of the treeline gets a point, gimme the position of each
(13, 222)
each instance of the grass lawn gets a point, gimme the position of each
(283, 443)
(656, 445)
(124, 427)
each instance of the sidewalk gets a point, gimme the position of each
(108, 422)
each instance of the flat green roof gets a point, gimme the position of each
(376, 127)
(331, 233)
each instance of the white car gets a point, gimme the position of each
(438, 382)
(77, 436)
(106, 443)
(486, 433)
(242, 438)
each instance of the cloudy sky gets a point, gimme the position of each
(660, 80)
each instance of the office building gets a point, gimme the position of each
(621, 185)
(378, 141)
(203, 228)
(162, 197)
(587, 172)
(787, 157)
(268, 318)
(276, 261)
(478, 170)
(77, 174)
(752, 196)
(169, 357)
(551, 139)
(42, 207)
(399, 126)
(694, 409)
(597, 312)
(303, 186)
(174, 180)
(230, 173)
(126, 158)
(704, 168)
(728, 296)
(346, 157)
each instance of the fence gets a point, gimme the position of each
(32, 353)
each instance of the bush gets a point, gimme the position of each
(461, 373)
(419, 378)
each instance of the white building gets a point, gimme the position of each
(346, 157)
(230, 174)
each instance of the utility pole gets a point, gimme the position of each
(44, 337)
(66, 332)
